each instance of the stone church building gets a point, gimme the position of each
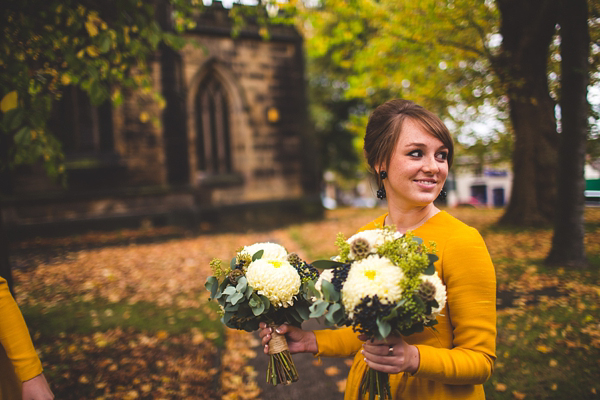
(233, 146)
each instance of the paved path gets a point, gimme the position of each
(315, 381)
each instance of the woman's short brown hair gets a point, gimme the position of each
(385, 125)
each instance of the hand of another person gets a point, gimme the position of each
(298, 340)
(393, 355)
(37, 389)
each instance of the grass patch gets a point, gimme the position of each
(548, 351)
(99, 315)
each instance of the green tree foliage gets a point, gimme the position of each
(100, 47)
(362, 53)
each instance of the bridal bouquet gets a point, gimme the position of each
(381, 283)
(263, 283)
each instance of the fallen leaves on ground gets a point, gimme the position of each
(121, 364)
(548, 333)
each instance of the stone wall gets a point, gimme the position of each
(153, 168)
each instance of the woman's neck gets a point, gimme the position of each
(410, 219)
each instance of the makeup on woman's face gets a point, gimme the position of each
(418, 167)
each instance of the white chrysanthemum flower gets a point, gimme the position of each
(276, 279)
(371, 276)
(271, 251)
(374, 237)
(440, 293)
(326, 275)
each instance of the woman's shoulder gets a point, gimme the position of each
(446, 226)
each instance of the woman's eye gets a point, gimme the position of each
(415, 153)
(443, 156)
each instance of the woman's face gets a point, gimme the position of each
(418, 168)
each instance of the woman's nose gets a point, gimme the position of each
(430, 165)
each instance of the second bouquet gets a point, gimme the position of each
(381, 283)
(263, 283)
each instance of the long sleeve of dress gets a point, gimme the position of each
(469, 276)
(458, 355)
(341, 342)
(15, 339)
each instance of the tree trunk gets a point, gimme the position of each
(568, 240)
(527, 29)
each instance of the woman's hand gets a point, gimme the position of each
(37, 389)
(392, 356)
(298, 341)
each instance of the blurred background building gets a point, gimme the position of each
(231, 146)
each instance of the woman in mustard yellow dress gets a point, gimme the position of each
(21, 374)
(410, 150)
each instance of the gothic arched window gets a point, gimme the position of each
(82, 128)
(213, 146)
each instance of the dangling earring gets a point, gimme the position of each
(442, 195)
(381, 192)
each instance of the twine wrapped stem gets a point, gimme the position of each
(281, 367)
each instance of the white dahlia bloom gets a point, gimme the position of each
(326, 275)
(276, 279)
(371, 276)
(440, 293)
(374, 237)
(272, 251)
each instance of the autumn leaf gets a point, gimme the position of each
(500, 387)
(9, 101)
(543, 349)
(91, 28)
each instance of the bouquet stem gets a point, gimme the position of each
(377, 384)
(281, 367)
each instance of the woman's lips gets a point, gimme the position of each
(426, 183)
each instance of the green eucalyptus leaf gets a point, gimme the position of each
(293, 312)
(241, 284)
(229, 290)
(430, 270)
(329, 292)
(258, 309)
(326, 264)
(258, 255)
(237, 296)
(249, 291)
(226, 317)
(318, 309)
(232, 263)
(432, 258)
(311, 291)
(302, 311)
(212, 284)
(417, 239)
(384, 328)
(265, 301)
(232, 307)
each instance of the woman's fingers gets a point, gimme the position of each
(265, 331)
(378, 349)
(390, 369)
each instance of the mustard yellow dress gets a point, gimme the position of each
(458, 356)
(19, 361)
